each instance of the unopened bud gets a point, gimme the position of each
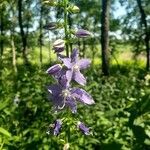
(59, 45)
(74, 9)
(50, 2)
(51, 26)
(54, 69)
(66, 146)
(81, 33)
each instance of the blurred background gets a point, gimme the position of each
(119, 83)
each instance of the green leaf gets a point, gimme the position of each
(3, 105)
(5, 132)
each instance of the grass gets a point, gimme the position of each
(122, 55)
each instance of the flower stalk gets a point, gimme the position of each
(62, 94)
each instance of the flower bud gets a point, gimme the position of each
(74, 9)
(81, 33)
(83, 128)
(54, 69)
(50, 2)
(59, 45)
(51, 26)
(66, 146)
(57, 127)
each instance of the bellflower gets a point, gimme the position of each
(62, 95)
(74, 66)
(81, 33)
(57, 127)
(83, 128)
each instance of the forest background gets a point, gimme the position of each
(118, 79)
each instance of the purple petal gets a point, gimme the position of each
(83, 128)
(74, 55)
(54, 69)
(67, 62)
(84, 63)
(78, 77)
(60, 73)
(57, 127)
(82, 96)
(54, 89)
(69, 74)
(72, 104)
(63, 81)
(58, 102)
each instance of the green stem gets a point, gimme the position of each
(66, 26)
(2, 145)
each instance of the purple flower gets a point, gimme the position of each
(57, 127)
(83, 128)
(74, 66)
(54, 69)
(82, 33)
(59, 45)
(62, 95)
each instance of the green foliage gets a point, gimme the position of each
(119, 120)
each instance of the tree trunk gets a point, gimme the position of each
(147, 36)
(2, 30)
(13, 53)
(105, 36)
(49, 46)
(23, 36)
(41, 34)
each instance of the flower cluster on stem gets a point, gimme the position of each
(62, 93)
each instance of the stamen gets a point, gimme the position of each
(75, 67)
(65, 93)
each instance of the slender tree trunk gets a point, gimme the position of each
(12, 31)
(1, 40)
(105, 36)
(23, 36)
(2, 30)
(49, 46)
(147, 36)
(41, 34)
(93, 43)
(13, 53)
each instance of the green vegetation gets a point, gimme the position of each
(119, 119)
